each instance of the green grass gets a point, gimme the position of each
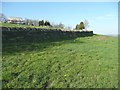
(24, 26)
(86, 62)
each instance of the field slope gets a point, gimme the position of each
(86, 62)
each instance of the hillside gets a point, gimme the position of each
(85, 62)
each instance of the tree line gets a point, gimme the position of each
(30, 22)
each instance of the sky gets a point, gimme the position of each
(102, 16)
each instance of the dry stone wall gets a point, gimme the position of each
(38, 34)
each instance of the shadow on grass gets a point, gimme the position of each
(18, 44)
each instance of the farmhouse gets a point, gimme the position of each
(16, 20)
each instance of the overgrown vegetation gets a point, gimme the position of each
(85, 62)
(24, 26)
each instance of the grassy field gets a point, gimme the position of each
(86, 62)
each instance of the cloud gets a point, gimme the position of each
(105, 17)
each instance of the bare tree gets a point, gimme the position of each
(60, 25)
(26, 21)
(86, 24)
(68, 28)
(35, 22)
(3, 18)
